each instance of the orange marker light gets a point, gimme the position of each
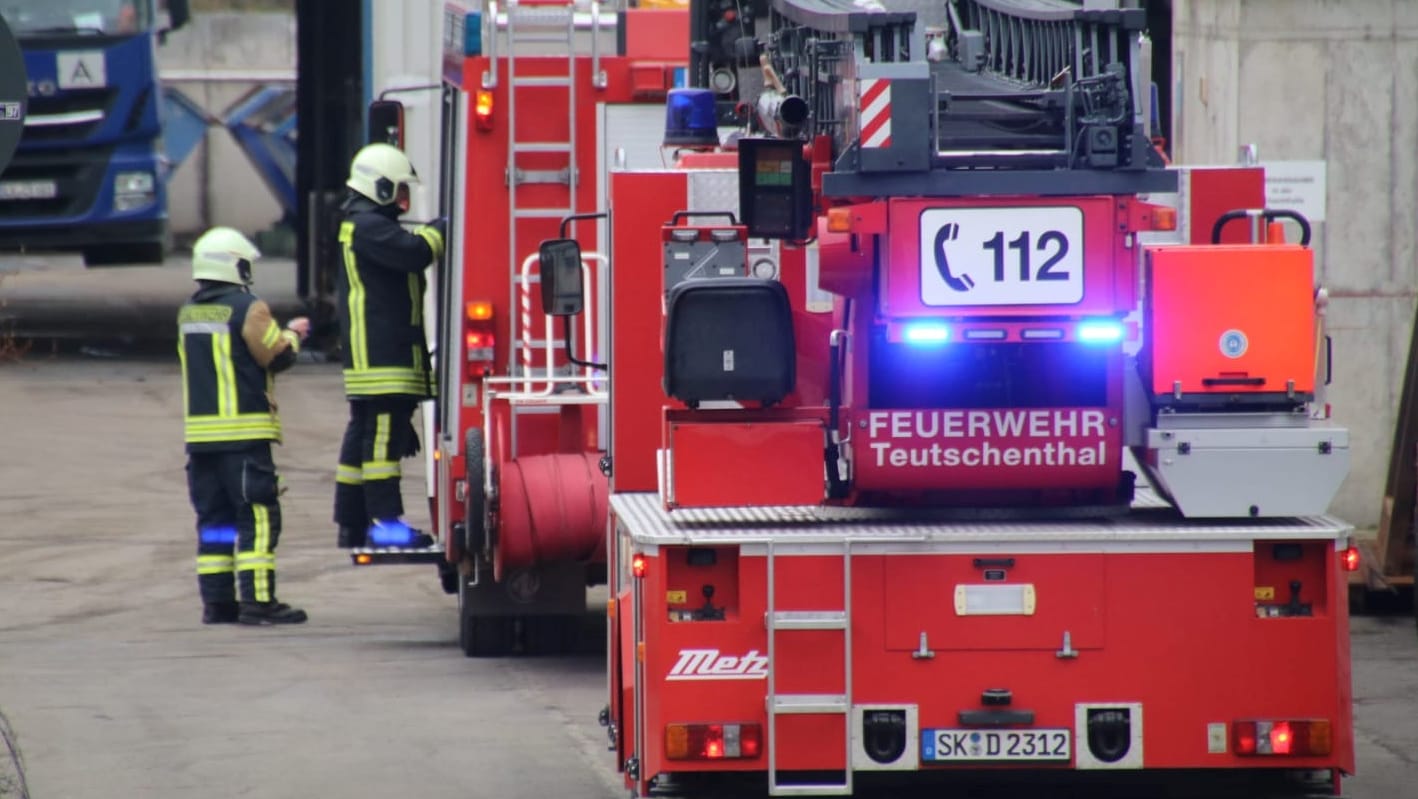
(479, 311)
(637, 565)
(1164, 218)
(839, 220)
(363, 560)
(482, 110)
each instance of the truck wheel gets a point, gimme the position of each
(553, 635)
(482, 636)
(475, 503)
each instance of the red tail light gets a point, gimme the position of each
(713, 741)
(1296, 738)
(637, 565)
(1351, 559)
(479, 344)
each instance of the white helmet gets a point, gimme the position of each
(378, 170)
(223, 254)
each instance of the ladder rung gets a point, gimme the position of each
(541, 213)
(809, 703)
(541, 38)
(553, 81)
(809, 620)
(541, 147)
(797, 789)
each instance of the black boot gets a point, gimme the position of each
(351, 537)
(270, 613)
(220, 613)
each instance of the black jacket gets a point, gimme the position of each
(380, 301)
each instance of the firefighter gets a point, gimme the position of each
(384, 348)
(230, 349)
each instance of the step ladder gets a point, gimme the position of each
(533, 27)
(788, 621)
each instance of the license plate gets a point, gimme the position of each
(28, 190)
(1002, 256)
(954, 746)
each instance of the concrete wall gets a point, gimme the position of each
(215, 60)
(1335, 80)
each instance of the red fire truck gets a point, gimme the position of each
(1007, 458)
(540, 100)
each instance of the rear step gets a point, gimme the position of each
(383, 556)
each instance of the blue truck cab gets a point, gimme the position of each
(90, 173)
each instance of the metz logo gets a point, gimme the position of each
(708, 664)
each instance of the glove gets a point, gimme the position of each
(441, 225)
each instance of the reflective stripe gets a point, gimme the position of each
(415, 307)
(434, 239)
(214, 328)
(182, 361)
(272, 334)
(381, 437)
(381, 470)
(389, 380)
(349, 475)
(243, 427)
(226, 374)
(214, 564)
(359, 332)
(217, 535)
(263, 545)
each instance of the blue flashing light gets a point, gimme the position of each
(473, 33)
(691, 119)
(926, 333)
(1100, 332)
(681, 77)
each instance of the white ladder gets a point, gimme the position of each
(815, 704)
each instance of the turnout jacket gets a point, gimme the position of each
(230, 349)
(380, 301)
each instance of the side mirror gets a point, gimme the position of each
(562, 284)
(386, 122)
(179, 13)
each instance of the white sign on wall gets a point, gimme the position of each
(1296, 186)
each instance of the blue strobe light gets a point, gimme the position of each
(690, 118)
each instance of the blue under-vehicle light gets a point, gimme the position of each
(690, 118)
(1104, 331)
(925, 333)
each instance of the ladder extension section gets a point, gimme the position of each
(840, 705)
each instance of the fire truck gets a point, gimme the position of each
(954, 433)
(539, 102)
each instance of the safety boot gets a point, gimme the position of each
(350, 537)
(220, 612)
(270, 613)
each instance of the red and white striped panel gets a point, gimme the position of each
(876, 112)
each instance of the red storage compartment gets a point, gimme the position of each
(1233, 322)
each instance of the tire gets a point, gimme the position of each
(475, 503)
(553, 635)
(482, 636)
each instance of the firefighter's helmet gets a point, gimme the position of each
(224, 255)
(378, 170)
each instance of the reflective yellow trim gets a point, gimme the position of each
(386, 380)
(415, 307)
(434, 239)
(226, 374)
(381, 470)
(263, 545)
(272, 334)
(182, 361)
(359, 334)
(215, 564)
(243, 427)
(349, 475)
(381, 437)
(293, 338)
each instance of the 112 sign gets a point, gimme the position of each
(1002, 256)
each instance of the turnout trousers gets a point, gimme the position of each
(236, 497)
(380, 433)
